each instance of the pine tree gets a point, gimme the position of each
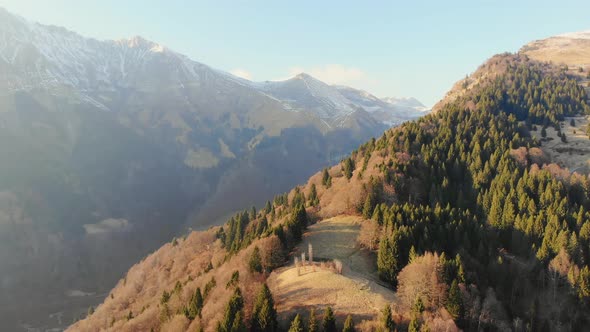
(313, 196)
(267, 207)
(348, 168)
(584, 283)
(298, 222)
(348, 324)
(369, 206)
(195, 305)
(454, 302)
(255, 261)
(387, 319)
(326, 178)
(296, 325)
(313, 324)
(329, 323)
(232, 319)
(460, 269)
(414, 325)
(233, 281)
(412, 255)
(238, 324)
(495, 214)
(264, 315)
(388, 260)
(418, 307)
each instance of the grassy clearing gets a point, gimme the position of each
(573, 154)
(355, 292)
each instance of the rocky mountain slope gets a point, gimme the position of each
(471, 224)
(129, 143)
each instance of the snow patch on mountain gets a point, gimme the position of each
(576, 35)
(50, 57)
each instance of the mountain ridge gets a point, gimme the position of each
(65, 57)
(468, 182)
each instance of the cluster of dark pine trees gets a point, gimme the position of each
(459, 190)
(246, 226)
(264, 315)
(328, 322)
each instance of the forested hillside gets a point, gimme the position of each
(468, 218)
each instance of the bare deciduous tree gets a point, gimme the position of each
(422, 278)
(559, 268)
(369, 235)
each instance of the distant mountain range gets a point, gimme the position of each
(129, 143)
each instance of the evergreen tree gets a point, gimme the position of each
(495, 215)
(255, 261)
(348, 167)
(252, 214)
(326, 178)
(348, 324)
(454, 302)
(460, 269)
(234, 280)
(264, 315)
(412, 255)
(298, 222)
(388, 259)
(387, 319)
(195, 305)
(329, 323)
(418, 307)
(313, 324)
(313, 196)
(296, 324)
(414, 325)
(232, 319)
(165, 297)
(584, 283)
(369, 206)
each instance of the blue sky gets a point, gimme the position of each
(389, 48)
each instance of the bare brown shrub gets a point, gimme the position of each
(520, 155)
(537, 156)
(422, 278)
(369, 234)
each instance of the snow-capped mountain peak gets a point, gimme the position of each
(53, 57)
